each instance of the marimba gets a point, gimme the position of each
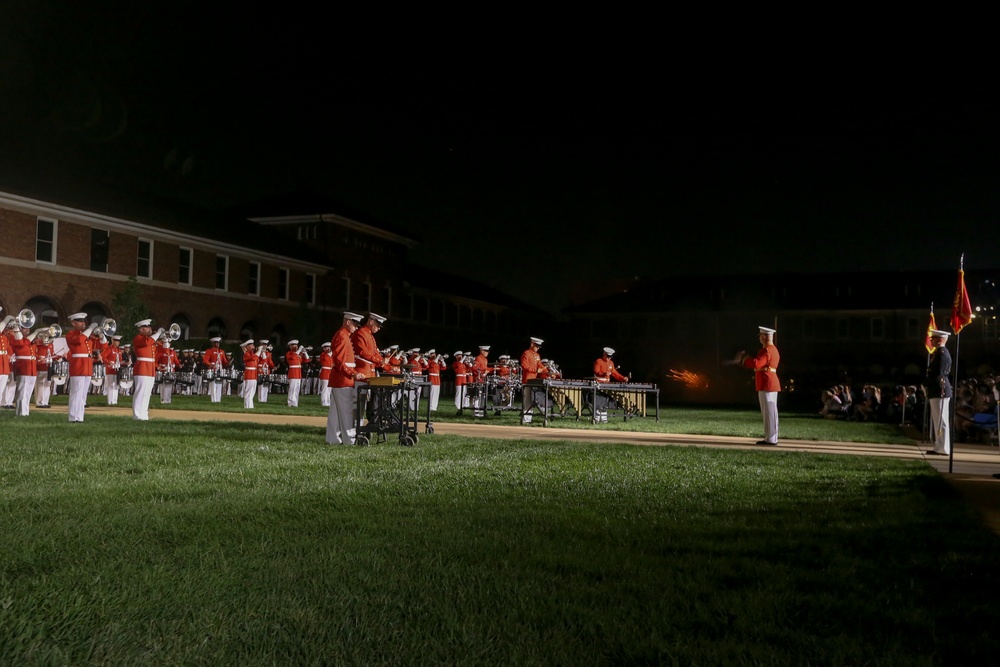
(630, 398)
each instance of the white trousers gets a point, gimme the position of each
(340, 419)
(9, 391)
(435, 396)
(79, 385)
(940, 426)
(25, 390)
(324, 395)
(769, 411)
(166, 392)
(111, 388)
(459, 396)
(43, 388)
(263, 389)
(142, 390)
(215, 391)
(248, 391)
(293, 392)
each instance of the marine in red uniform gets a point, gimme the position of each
(251, 360)
(45, 354)
(22, 344)
(81, 364)
(113, 357)
(340, 420)
(460, 370)
(216, 361)
(764, 364)
(366, 352)
(604, 368)
(144, 370)
(325, 366)
(531, 367)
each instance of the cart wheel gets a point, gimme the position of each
(416, 438)
(429, 429)
(362, 441)
(406, 441)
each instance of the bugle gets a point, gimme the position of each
(23, 320)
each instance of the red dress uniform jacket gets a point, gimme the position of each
(250, 361)
(294, 361)
(459, 369)
(167, 359)
(531, 365)
(605, 371)
(765, 367)
(434, 368)
(24, 356)
(480, 368)
(366, 352)
(112, 358)
(393, 365)
(344, 364)
(44, 352)
(325, 366)
(265, 363)
(215, 358)
(5, 353)
(81, 362)
(145, 356)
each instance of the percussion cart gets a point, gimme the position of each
(389, 404)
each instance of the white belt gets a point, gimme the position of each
(326, 368)
(140, 358)
(295, 366)
(349, 364)
(251, 368)
(434, 375)
(75, 356)
(3, 353)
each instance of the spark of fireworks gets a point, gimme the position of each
(689, 379)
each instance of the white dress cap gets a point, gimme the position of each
(537, 341)
(609, 351)
(144, 323)
(78, 316)
(767, 330)
(294, 341)
(937, 333)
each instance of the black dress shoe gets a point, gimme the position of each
(931, 452)
(765, 442)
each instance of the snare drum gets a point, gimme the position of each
(97, 375)
(222, 375)
(125, 377)
(279, 378)
(186, 379)
(59, 370)
(208, 375)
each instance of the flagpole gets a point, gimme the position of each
(961, 318)
(954, 395)
(925, 417)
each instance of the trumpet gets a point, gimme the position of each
(108, 327)
(173, 333)
(46, 333)
(23, 320)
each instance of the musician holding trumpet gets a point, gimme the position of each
(45, 354)
(81, 364)
(144, 373)
(113, 357)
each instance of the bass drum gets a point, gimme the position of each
(125, 377)
(60, 371)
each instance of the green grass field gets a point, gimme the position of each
(171, 542)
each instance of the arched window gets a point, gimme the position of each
(216, 327)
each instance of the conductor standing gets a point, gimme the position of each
(765, 367)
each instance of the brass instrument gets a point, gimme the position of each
(23, 320)
(108, 327)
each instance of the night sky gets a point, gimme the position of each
(590, 156)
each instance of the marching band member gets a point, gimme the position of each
(435, 364)
(366, 352)
(480, 369)
(250, 362)
(460, 374)
(341, 418)
(167, 363)
(417, 366)
(215, 359)
(265, 366)
(112, 358)
(128, 359)
(45, 354)
(5, 354)
(81, 364)
(294, 358)
(325, 366)
(22, 344)
(144, 373)
(604, 372)
(531, 367)
(393, 363)
(98, 341)
(765, 367)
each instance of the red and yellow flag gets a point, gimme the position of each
(931, 326)
(961, 309)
